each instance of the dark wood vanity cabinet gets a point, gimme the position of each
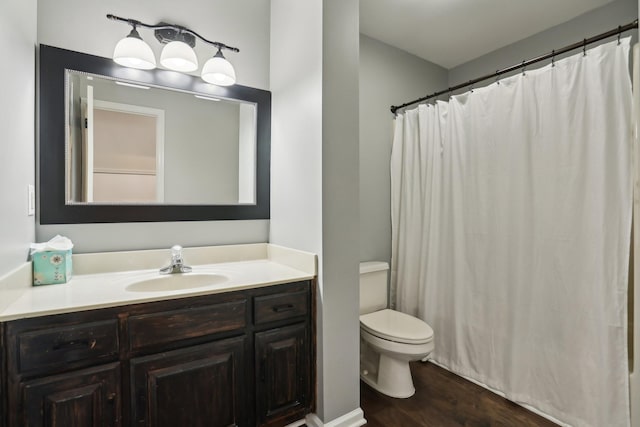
(243, 358)
(283, 383)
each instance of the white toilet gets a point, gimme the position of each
(389, 340)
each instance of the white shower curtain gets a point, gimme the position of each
(511, 217)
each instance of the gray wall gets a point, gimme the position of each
(599, 20)
(241, 23)
(340, 210)
(201, 166)
(388, 76)
(17, 105)
(314, 80)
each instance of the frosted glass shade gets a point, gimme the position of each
(219, 71)
(133, 52)
(179, 56)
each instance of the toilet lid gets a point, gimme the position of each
(395, 326)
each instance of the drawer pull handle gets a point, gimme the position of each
(67, 345)
(282, 308)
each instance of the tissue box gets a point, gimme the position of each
(51, 267)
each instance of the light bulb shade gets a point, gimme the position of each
(133, 52)
(219, 71)
(179, 56)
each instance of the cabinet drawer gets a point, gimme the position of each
(281, 306)
(48, 349)
(171, 326)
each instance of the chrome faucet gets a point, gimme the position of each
(177, 262)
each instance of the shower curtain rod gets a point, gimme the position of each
(583, 44)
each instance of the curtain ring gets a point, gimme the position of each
(449, 89)
(523, 68)
(470, 86)
(553, 58)
(497, 77)
(584, 47)
(619, 33)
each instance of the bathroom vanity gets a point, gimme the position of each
(238, 353)
(231, 343)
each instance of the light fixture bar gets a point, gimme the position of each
(177, 28)
(131, 85)
(207, 98)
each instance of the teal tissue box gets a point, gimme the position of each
(51, 267)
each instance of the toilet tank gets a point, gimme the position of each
(373, 286)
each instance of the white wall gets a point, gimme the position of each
(82, 26)
(388, 76)
(314, 203)
(17, 106)
(296, 124)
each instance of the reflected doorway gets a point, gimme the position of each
(123, 149)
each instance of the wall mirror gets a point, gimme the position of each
(126, 145)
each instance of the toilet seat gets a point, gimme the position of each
(396, 326)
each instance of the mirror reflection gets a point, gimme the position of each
(136, 144)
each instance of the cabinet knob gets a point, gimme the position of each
(111, 397)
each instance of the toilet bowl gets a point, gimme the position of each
(389, 339)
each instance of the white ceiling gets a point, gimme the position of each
(452, 32)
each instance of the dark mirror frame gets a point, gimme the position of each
(53, 209)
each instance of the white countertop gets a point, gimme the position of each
(101, 284)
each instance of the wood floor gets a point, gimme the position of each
(444, 399)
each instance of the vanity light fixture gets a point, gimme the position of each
(177, 54)
(133, 52)
(219, 71)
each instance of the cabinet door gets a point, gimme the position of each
(283, 373)
(3, 385)
(196, 386)
(86, 398)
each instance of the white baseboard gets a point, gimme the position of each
(354, 418)
(297, 423)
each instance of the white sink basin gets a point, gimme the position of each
(176, 282)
